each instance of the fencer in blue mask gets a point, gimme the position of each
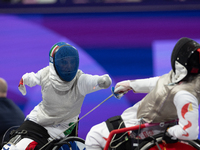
(64, 87)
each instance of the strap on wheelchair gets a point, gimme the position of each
(30, 130)
(116, 122)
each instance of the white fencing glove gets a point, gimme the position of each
(22, 87)
(104, 81)
(122, 88)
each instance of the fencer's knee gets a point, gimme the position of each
(92, 141)
(91, 136)
(96, 137)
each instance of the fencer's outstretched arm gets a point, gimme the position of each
(30, 79)
(90, 83)
(138, 86)
(188, 114)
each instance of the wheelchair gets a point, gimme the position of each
(155, 143)
(6, 135)
(66, 143)
(149, 143)
(71, 142)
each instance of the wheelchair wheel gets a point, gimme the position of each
(70, 143)
(150, 144)
(6, 135)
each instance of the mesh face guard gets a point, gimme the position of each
(65, 59)
(66, 62)
(194, 62)
(185, 52)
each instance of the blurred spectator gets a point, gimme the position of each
(10, 1)
(104, 1)
(39, 1)
(10, 114)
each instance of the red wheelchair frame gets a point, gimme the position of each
(141, 126)
(122, 130)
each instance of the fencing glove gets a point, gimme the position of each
(104, 81)
(22, 87)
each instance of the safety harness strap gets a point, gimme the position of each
(116, 122)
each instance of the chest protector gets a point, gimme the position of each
(157, 106)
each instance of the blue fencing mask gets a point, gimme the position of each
(65, 59)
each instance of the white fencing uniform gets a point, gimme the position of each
(185, 100)
(61, 101)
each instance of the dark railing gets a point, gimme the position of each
(78, 6)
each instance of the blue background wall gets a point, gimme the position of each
(119, 44)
